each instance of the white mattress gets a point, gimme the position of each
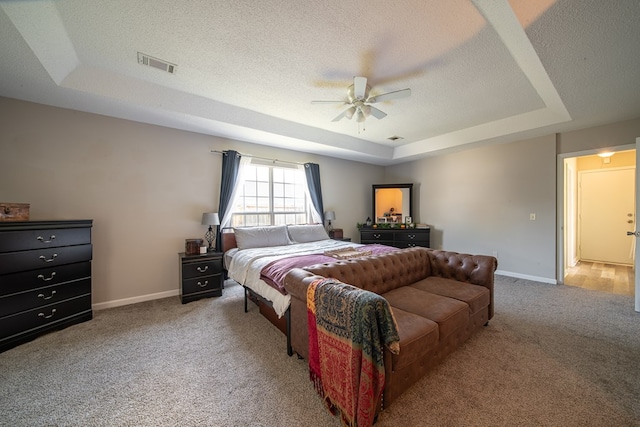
(244, 266)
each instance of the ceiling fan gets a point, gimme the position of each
(359, 98)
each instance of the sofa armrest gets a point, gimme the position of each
(296, 283)
(474, 269)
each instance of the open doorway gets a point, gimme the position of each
(599, 208)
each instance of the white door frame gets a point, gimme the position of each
(637, 239)
(560, 232)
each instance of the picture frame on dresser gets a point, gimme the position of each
(45, 278)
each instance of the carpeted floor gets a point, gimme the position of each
(552, 356)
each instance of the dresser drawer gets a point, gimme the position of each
(410, 236)
(376, 236)
(11, 262)
(12, 241)
(44, 296)
(34, 279)
(43, 317)
(410, 239)
(194, 269)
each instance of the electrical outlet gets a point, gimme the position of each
(532, 217)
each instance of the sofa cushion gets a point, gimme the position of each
(418, 337)
(450, 314)
(477, 297)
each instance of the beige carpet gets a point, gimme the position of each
(552, 356)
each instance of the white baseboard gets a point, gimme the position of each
(175, 292)
(133, 300)
(527, 277)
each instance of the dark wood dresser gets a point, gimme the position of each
(399, 238)
(45, 277)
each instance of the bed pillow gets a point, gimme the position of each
(261, 237)
(307, 233)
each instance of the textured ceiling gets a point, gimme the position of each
(480, 71)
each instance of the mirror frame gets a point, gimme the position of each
(375, 187)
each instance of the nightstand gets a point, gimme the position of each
(200, 276)
(343, 239)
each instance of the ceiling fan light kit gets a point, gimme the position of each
(359, 100)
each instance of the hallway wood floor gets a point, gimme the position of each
(616, 279)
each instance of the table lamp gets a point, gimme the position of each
(210, 219)
(329, 216)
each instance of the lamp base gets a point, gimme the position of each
(210, 237)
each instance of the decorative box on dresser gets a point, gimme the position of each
(200, 276)
(396, 237)
(45, 277)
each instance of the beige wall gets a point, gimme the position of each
(600, 137)
(479, 201)
(144, 186)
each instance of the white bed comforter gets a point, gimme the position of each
(246, 264)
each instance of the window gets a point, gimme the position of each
(271, 195)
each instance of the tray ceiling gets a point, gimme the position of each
(481, 71)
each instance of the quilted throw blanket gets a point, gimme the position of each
(348, 330)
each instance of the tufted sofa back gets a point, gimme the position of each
(379, 273)
(476, 269)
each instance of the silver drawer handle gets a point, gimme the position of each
(51, 239)
(411, 236)
(49, 297)
(376, 236)
(46, 279)
(206, 283)
(53, 311)
(42, 257)
(202, 270)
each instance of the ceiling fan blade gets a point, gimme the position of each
(390, 95)
(377, 113)
(359, 87)
(328, 102)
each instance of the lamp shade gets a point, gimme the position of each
(329, 215)
(210, 218)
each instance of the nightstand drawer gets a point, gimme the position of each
(202, 284)
(191, 269)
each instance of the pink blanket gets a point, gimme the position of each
(274, 272)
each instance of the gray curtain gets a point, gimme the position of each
(230, 167)
(312, 172)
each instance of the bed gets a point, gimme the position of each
(258, 258)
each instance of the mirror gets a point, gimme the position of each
(392, 202)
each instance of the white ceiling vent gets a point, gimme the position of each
(160, 64)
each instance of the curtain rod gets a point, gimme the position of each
(260, 158)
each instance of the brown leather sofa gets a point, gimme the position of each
(438, 298)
